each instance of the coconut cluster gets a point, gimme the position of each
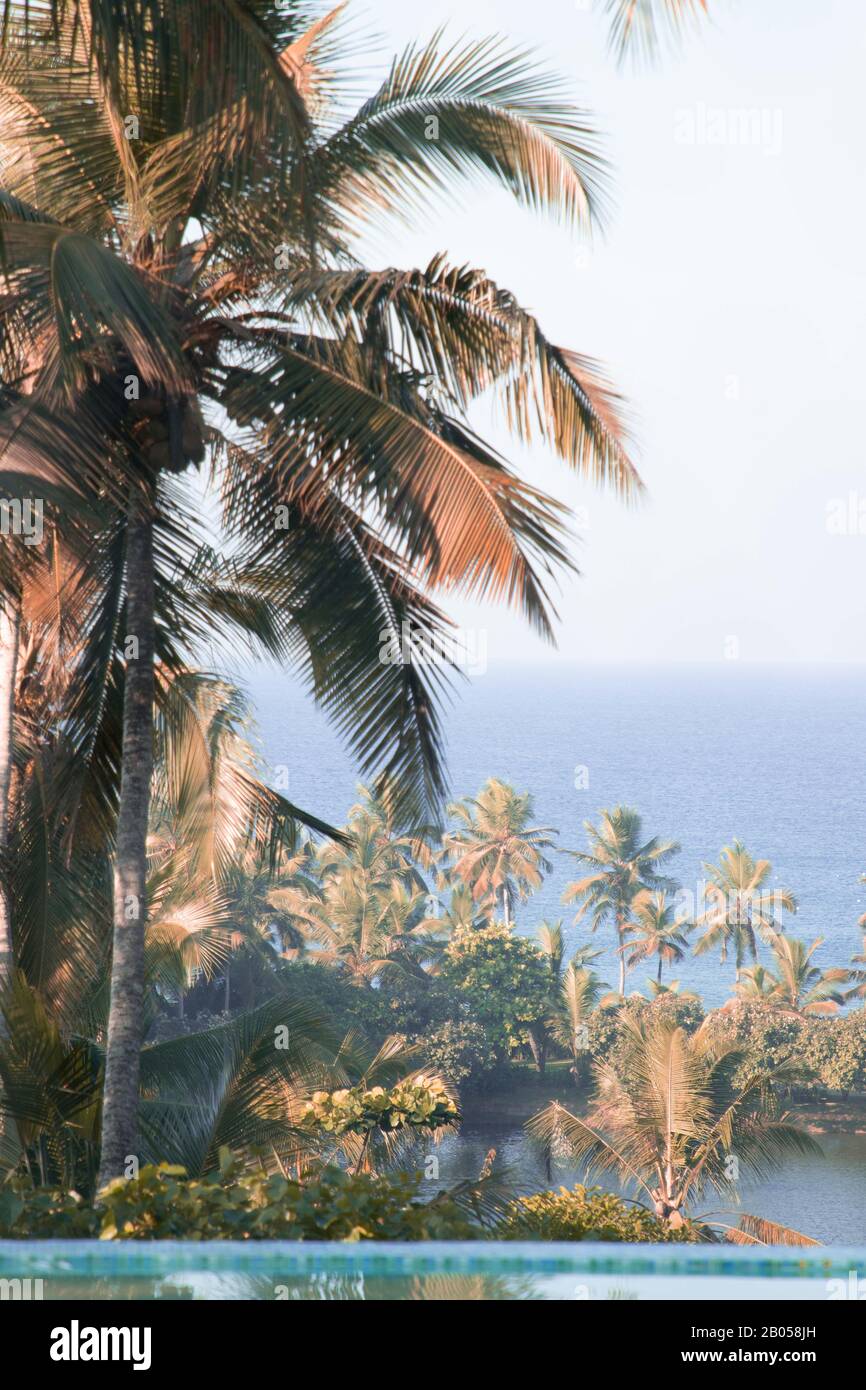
(154, 418)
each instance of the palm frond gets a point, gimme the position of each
(756, 1230)
(640, 27)
(474, 107)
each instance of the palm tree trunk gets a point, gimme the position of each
(659, 975)
(538, 1048)
(505, 904)
(362, 1163)
(126, 1013)
(10, 623)
(621, 940)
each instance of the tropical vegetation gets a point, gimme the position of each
(671, 1121)
(219, 1014)
(182, 289)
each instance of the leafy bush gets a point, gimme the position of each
(768, 1038)
(587, 1213)
(422, 1103)
(460, 1050)
(603, 1033)
(502, 981)
(606, 1039)
(44, 1213)
(162, 1204)
(407, 1004)
(329, 993)
(832, 1051)
(835, 1049)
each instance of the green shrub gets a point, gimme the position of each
(835, 1050)
(422, 1103)
(162, 1204)
(607, 1043)
(459, 1050)
(767, 1037)
(831, 1051)
(501, 980)
(587, 1213)
(44, 1213)
(330, 994)
(404, 1003)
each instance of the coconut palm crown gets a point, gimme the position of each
(656, 930)
(797, 985)
(741, 909)
(495, 850)
(622, 866)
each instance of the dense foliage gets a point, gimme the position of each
(162, 1204)
(679, 1128)
(180, 965)
(501, 980)
(422, 1103)
(831, 1051)
(588, 1213)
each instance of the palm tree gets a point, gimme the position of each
(221, 844)
(552, 945)
(223, 1086)
(69, 716)
(496, 852)
(660, 991)
(797, 986)
(52, 1058)
(740, 909)
(859, 990)
(580, 994)
(242, 1085)
(668, 1122)
(413, 940)
(9, 638)
(67, 736)
(206, 794)
(622, 865)
(657, 932)
(574, 991)
(756, 985)
(371, 911)
(266, 898)
(17, 562)
(197, 255)
(463, 911)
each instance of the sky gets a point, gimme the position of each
(726, 298)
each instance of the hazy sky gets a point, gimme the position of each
(727, 298)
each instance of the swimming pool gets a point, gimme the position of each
(366, 1270)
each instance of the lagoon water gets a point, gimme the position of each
(773, 756)
(822, 1195)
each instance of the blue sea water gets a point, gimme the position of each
(771, 755)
